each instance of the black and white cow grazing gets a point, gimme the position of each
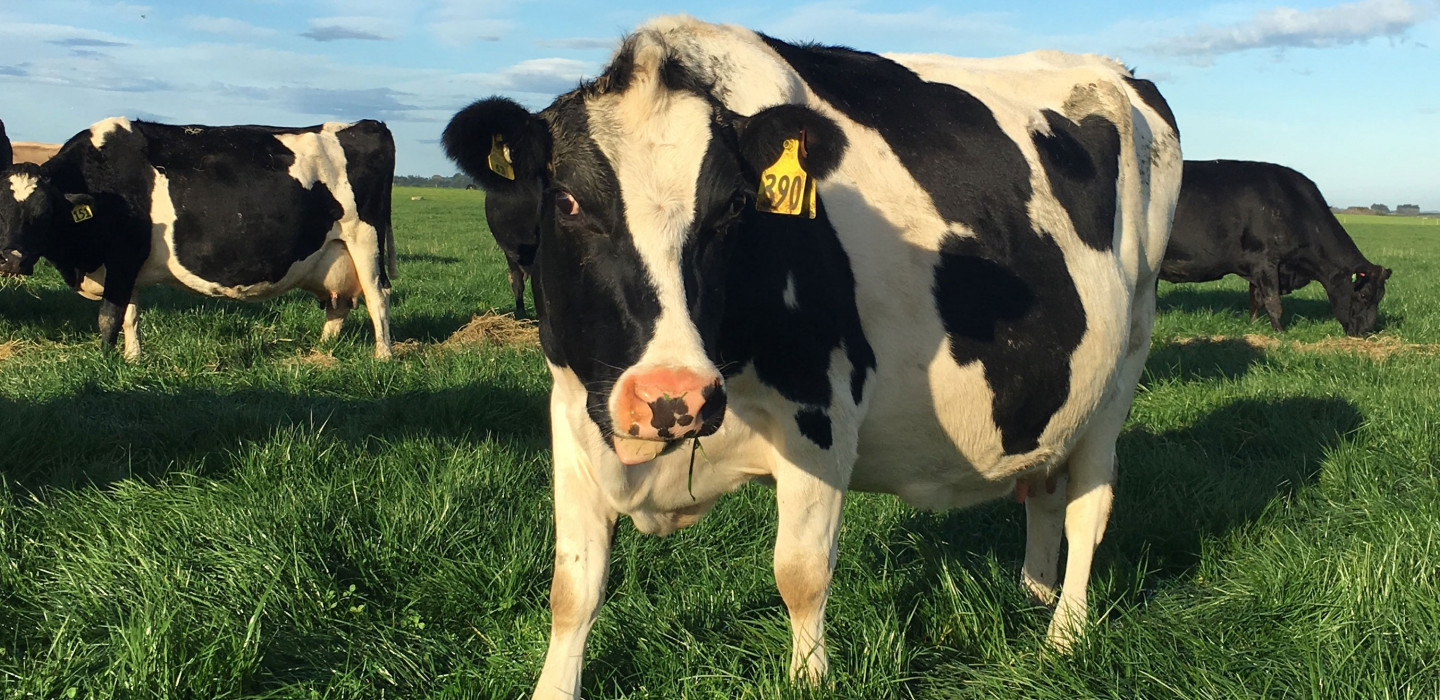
(948, 296)
(1271, 226)
(246, 212)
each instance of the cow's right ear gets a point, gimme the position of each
(763, 138)
(499, 143)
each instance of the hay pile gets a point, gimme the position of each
(491, 328)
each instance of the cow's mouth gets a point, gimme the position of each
(633, 451)
(13, 263)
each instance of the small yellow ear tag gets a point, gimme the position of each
(82, 212)
(500, 158)
(785, 187)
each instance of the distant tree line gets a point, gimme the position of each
(456, 181)
(1401, 210)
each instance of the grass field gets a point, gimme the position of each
(243, 514)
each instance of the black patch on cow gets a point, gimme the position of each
(596, 304)
(947, 139)
(1020, 319)
(790, 349)
(1151, 96)
(1082, 162)
(370, 167)
(815, 426)
(1005, 295)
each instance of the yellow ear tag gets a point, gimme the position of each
(785, 187)
(500, 158)
(82, 212)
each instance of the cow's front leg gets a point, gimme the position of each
(118, 311)
(132, 328)
(584, 528)
(805, 549)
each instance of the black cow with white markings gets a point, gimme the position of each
(246, 212)
(920, 275)
(1271, 226)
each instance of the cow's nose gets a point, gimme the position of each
(669, 404)
(10, 262)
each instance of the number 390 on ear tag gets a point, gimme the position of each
(500, 158)
(785, 187)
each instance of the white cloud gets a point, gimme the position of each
(1285, 27)
(461, 22)
(549, 76)
(225, 26)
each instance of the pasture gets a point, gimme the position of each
(244, 514)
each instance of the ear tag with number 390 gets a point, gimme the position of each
(785, 187)
(500, 158)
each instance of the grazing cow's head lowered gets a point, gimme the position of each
(29, 205)
(640, 175)
(1357, 300)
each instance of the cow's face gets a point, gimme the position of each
(27, 213)
(1359, 314)
(642, 177)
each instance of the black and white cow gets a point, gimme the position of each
(1270, 225)
(246, 212)
(961, 313)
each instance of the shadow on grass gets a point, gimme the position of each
(1193, 298)
(96, 436)
(1200, 359)
(1176, 490)
(50, 314)
(425, 258)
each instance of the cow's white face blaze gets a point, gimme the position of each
(655, 140)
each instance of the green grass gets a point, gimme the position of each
(229, 517)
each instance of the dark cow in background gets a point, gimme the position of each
(246, 212)
(1271, 226)
(7, 156)
(515, 221)
(948, 295)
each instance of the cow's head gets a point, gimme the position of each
(1357, 306)
(29, 205)
(640, 176)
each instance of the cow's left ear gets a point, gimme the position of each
(763, 137)
(499, 143)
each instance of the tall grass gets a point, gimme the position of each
(244, 514)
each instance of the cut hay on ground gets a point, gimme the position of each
(1376, 347)
(491, 328)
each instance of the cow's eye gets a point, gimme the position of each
(738, 202)
(565, 204)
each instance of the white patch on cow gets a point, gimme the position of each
(655, 141)
(92, 285)
(22, 185)
(103, 128)
(788, 295)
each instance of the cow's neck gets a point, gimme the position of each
(74, 248)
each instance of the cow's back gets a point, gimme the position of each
(998, 223)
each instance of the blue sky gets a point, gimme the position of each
(1347, 93)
